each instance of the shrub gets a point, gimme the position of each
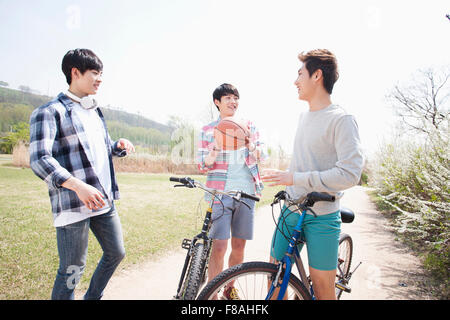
(413, 177)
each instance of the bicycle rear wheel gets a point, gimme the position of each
(252, 280)
(345, 254)
(196, 272)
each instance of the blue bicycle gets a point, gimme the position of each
(263, 280)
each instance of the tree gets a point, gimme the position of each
(183, 141)
(424, 103)
(4, 84)
(25, 89)
(20, 133)
(412, 175)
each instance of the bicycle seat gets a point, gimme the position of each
(347, 215)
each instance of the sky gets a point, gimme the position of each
(164, 58)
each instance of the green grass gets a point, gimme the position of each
(155, 218)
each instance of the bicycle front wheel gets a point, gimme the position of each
(252, 280)
(196, 272)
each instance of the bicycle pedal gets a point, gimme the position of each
(343, 287)
(186, 244)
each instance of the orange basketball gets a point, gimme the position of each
(230, 133)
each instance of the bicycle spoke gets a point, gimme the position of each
(345, 253)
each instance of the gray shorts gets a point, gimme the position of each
(240, 223)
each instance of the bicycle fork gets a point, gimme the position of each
(286, 262)
(188, 244)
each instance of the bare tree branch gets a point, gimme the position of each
(423, 103)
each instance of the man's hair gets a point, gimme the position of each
(224, 90)
(82, 59)
(324, 60)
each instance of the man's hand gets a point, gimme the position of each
(278, 177)
(125, 144)
(211, 157)
(252, 148)
(90, 196)
(217, 139)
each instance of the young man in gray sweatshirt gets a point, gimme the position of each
(327, 157)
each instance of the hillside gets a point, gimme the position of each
(20, 97)
(17, 106)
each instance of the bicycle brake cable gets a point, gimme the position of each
(223, 206)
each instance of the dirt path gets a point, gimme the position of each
(388, 270)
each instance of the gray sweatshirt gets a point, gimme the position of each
(327, 156)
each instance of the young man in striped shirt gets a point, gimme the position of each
(230, 170)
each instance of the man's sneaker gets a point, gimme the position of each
(230, 293)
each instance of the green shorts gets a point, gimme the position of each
(321, 235)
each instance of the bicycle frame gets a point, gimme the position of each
(293, 256)
(276, 276)
(203, 235)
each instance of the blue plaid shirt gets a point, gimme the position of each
(57, 152)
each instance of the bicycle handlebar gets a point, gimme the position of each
(190, 183)
(181, 180)
(304, 203)
(318, 196)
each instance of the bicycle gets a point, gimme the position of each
(193, 274)
(262, 280)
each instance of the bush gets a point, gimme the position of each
(20, 134)
(413, 178)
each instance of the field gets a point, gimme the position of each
(155, 217)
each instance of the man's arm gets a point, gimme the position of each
(206, 153)
(345, 174)
(347, 170)
(43, 129)
(254, 143)
(121, 147)
(91, 197)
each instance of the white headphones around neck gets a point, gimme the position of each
(86, 102)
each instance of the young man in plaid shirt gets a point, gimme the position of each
(230, 170)
(71, 150)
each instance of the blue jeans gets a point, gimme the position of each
(72, 248)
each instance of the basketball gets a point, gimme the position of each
(231, 133)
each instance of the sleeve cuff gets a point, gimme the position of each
(118, 152)
(59, 177)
